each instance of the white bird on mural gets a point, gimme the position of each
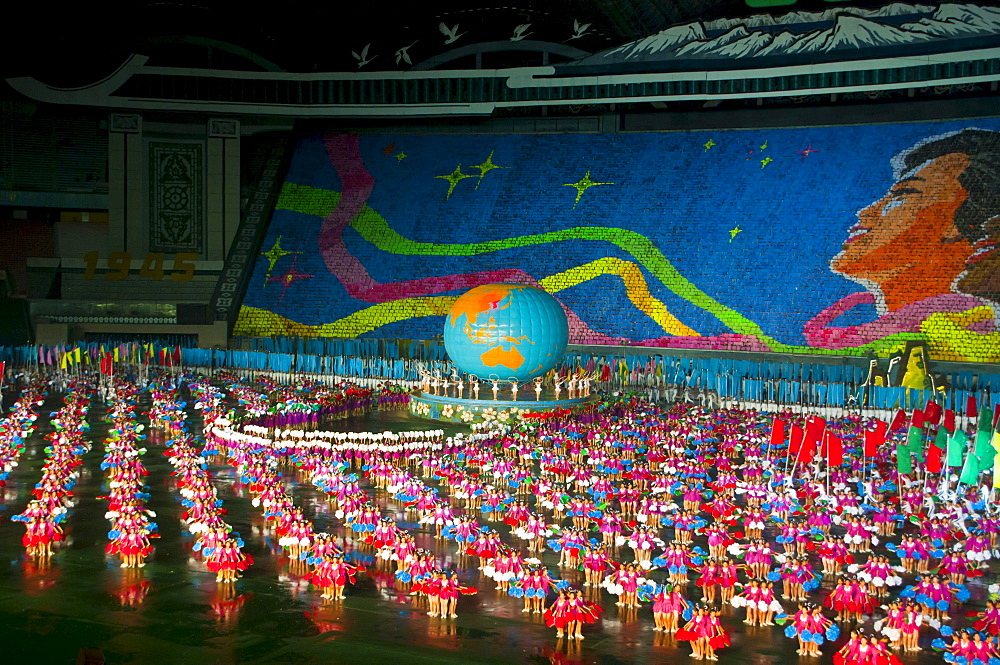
(403, 54)
(451, 33)
(519, 32)
(363, 59)
(579, 29)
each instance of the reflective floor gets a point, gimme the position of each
(172, 612)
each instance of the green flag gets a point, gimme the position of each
(984, 449)
(915, 442)
(970, 470)
(985, 422)
(956, 447)
(941, 439)
(903, 462)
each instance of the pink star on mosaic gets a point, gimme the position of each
(289, 278)
(805, 153)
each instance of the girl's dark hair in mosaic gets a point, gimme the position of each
(981, 178)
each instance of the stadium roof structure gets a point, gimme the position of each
(300, 59)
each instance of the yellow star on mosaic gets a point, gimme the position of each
(764, 162)
(453, 178)
(486, 167)
(400, 156)
(583, 185)
(733, 232)
(273, 255)
(708, 145)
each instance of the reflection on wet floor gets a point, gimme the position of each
(173, 612)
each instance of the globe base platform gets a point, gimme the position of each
(469, 410)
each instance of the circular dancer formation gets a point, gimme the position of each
(622, 492)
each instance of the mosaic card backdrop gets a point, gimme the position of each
(841, 240)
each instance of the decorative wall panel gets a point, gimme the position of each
(176, 197)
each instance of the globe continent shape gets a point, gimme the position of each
(510, 331)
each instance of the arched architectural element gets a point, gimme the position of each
(526, 45)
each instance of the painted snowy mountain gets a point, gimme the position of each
(846, 30)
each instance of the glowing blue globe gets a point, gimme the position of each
(509, 331)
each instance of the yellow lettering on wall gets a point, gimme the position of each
(152, 266)
(118, 265)
(183, 266)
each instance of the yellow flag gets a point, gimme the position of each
(116, 354)
(76, 355)
(63, 361)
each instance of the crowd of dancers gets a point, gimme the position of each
(687, 510)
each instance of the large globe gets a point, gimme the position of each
(509, 331)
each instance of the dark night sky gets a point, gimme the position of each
(83, 43)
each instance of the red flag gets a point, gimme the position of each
(807, 451)
(875, 438)
(970, 407)
(949, 421)
(996, 416)
(932, 412)
(795, 439)
(898, 420)
(834, 449)
(815, 426)
(934, 459)
(872, 443)
(777, 432)
(918, 419)
(881, 429)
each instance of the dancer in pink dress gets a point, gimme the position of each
(988, 620)
(668, 606)
(332, 575)
(570, 612)
(849, 599)
(812, 629)
(705, 633)
(595, 564)
(624, 583)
